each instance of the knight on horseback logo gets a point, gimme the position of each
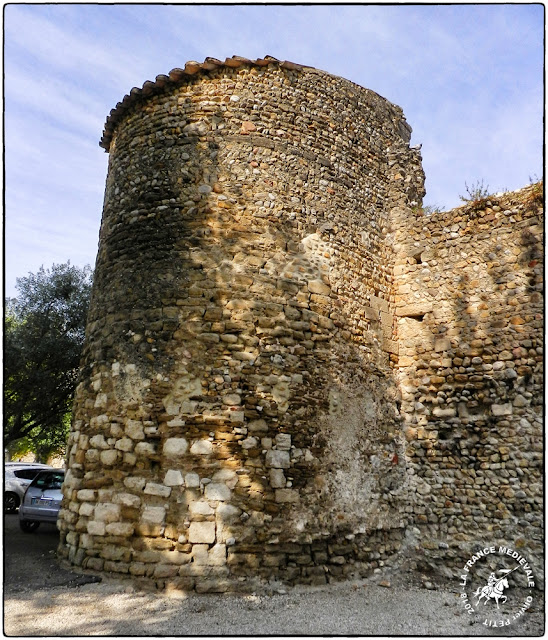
(495, 587)
(499, 581)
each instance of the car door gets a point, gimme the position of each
(43, 496)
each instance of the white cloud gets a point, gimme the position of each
(468, 77)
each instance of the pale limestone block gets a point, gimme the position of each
(176, 557)
(72, 538)
(176, 422)
(200, 554)
(86, 494)
(277, 479)
(124, 444)
(228, 513)
(444, 412)
(283, 441)
(112, 552)
(107, 512)
(130, 458)
(192, 480)
(154, 515)
(134, 429)
(86, 541)
(224, 475)
(98, 442)
(109, 457)
(229, 477)
(217, 491)
(127, 499)
(175, 447)
(101, 401)
(145, 448)
(96, 528)
(92, 455)
(200, 508)
(249, 443)
(201, 448)
(155, 489)
(135, 483)
(201, 532)
(502, 409)
(442, 344)
(124, 529)
(259, 426)
(277, 459)
(86, 509)
(173, 478)
(217, 555)
(319, 287)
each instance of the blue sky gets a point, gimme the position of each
(468, 77)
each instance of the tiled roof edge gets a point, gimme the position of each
(177, 76)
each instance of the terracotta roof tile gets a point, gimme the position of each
(176, 76)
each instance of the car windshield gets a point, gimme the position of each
(49, 480)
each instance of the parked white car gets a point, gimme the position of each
(42, 500)
(17, 477)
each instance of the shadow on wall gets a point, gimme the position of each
(475, 382)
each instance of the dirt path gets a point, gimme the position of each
(40, 598)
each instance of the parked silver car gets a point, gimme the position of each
(42, 500)
(17, 477)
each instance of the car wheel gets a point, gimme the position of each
(11, 501)
(28, 526)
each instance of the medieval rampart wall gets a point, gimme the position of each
(236, 418)
(470, 334)
(291, 374)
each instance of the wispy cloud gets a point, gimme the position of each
(468, 77)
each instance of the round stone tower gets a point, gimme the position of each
(236, 420)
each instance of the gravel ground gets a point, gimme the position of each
(42, 599)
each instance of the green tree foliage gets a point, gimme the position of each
(44, 330)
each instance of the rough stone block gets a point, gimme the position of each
(217, 555)
(257, 426)
(145, 449)
(217, 491)
(502, 409)
(277, 459)
(277, 478)
(127, 499)
(200, 554)
(109, 457)
(192, 480)
(153, 515)
(135, 430)
(155, 489)
(107, 512)
(86, 494)
(124, 444)
(173, 478)
(200, 508)
(124, 529)
(201, 448)
(95, 528)
(283, 441)
(175, 447)
(201, 532)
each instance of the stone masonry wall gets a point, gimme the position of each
(470, 331)
(236, 418)
(291, 373)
